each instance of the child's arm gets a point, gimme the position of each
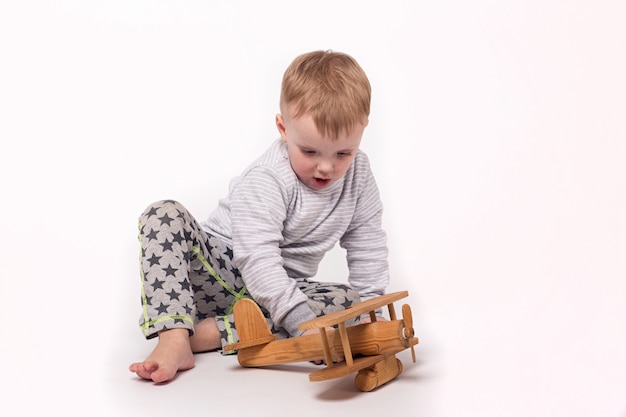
(258, 210)
(365, 243)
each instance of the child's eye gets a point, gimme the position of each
(343, 154)
(308, 152)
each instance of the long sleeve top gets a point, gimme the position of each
(280, 229)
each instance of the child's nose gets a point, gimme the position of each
(324, 166)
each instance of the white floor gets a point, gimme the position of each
(468, 364)
(497, 137)
(218, 385)
(480, 354)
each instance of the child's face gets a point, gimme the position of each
(317, 160)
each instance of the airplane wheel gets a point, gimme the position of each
(378, 374)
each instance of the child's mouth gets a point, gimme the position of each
(321, 182)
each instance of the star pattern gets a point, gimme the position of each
(185, 285)
(169, 271)
(235, 272)
(328, 301)
(165, 219)
(162, 309)
(152, 235)
(157, 284)
(347, 303)
(154, 260)
(173, 294)
(178, 237)
(178, 288)
(166, 245)
(188, 309)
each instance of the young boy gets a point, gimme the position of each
(311, 189)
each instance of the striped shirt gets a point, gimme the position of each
(280, 229)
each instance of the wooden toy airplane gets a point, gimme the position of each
(369, 348)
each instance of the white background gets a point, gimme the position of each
(497, 135)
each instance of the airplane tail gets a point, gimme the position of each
(252, 327)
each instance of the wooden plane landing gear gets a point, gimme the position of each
(368, 349)
(380, 373)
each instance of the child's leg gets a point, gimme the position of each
(329, 297)
(216, 296)
(167, 232)
(323, 298)
(180, 290)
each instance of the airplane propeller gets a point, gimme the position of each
(408, 331)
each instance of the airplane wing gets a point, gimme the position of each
(343, 368)
(354, 311)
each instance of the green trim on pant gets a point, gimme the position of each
(238, 295)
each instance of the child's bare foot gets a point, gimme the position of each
(175, 350)
(171, 354)
(206, 336)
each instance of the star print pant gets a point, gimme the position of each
(187, 275)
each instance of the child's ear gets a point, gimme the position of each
(280, 124)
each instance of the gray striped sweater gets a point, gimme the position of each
(280, 229)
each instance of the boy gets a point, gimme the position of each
(311, 189)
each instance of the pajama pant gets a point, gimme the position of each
(188, 275)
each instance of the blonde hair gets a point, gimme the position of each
(331, 87)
